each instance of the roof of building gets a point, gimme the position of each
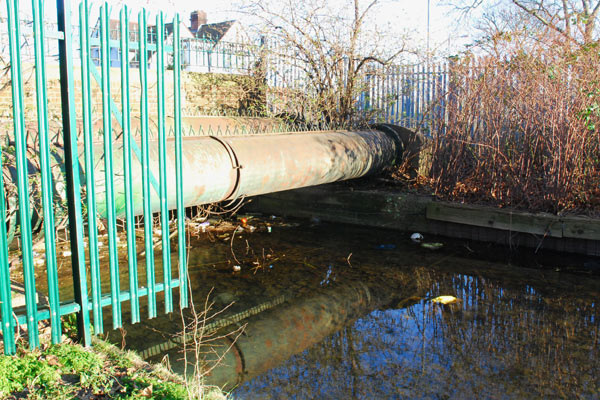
(214, 32)
(184, 31)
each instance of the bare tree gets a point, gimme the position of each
(574, 21)
(333, 44)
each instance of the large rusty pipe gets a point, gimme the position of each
(225, 168)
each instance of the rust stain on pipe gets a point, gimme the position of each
(225, 168)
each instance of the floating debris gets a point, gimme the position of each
(444, 299)
(328, 276)
(432, 246)
(204, 225)
(416, 237)
(237, 268)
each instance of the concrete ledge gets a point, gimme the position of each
(411, 212)
(515, 221)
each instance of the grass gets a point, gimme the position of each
(68, 371)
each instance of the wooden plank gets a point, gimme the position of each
(581, 228)
(538, 224)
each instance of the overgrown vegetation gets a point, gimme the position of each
(523, 119)
(522, 133)
(68, 370)
(225, 93)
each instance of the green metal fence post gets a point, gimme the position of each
(8, 323)
(72, 168)
(162, 161)
(90, 183)
(149, 247)
(108, 168)
(22, 173)
(181, 246)
(45, 167)
(131, 253)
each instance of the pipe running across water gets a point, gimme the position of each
(229, 167)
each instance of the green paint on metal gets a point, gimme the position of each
(181, 246)
(108, 168)
(22, 174)
(8, 323)
(127, 140)
(119, 118)
(45, 167)
(82, 304)
(106, 300)
(73, 182)
(149, 248)
(96, 279)
(162, 162)
(65, 309)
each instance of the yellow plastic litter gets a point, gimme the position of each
(432, 246)
(444, 299)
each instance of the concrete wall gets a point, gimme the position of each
(407, 212)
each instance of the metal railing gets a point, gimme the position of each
(410, 96)
(83, 216)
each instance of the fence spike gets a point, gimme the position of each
(115, 286)
(127, 167)
(162, 162)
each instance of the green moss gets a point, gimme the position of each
(76, 358)
(68, 371)
(29, 370)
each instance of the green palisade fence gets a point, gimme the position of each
(81, 172)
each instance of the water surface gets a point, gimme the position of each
(333, 312)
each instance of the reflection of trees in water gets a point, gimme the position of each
(497, 342)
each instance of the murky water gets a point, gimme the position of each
(335, 312)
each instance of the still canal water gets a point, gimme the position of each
(337, 312)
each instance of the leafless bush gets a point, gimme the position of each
(522, 130)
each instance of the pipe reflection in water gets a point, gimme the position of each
(498, 342)
(272, 337)
(514, 333)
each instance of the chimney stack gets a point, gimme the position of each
(197, 19)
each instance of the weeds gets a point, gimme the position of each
(523, 131)
(199, 339)
(68, 371)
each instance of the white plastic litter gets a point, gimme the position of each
(416, 237)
